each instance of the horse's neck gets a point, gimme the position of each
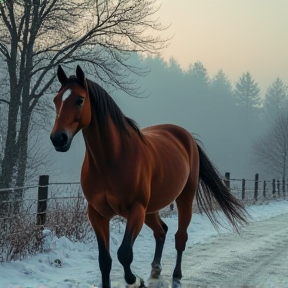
(103, 145)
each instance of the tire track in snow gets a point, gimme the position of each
(257, 258)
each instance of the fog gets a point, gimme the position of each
(205, 105)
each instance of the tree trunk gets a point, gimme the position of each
(10, 155)
(11, 151)
(23, 144)
(22, 159)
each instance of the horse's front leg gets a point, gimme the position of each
(135, 222)
(101, 228)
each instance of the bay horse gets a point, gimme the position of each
(135, 173)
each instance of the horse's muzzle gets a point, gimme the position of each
(61, 141)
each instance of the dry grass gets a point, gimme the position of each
(20, 237)
(69, 219)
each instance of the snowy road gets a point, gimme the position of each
(257, 259)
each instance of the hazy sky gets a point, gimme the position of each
(235, 35)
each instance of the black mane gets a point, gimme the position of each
(104, 105)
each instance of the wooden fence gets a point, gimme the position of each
(256, 189)
(40, 200)
(243, 189)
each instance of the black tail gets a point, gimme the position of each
(211, 187)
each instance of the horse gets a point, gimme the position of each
(134, 173)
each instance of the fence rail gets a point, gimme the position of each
(56, 204)
(256, 189)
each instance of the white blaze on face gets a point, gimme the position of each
(66, 94)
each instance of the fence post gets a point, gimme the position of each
(273, 188)
(264, 189)
(284, 187)
(227, 181)
(278, 187)
(243, 189)
(256, 187)
(42, 199)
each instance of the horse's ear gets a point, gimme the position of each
(80, 74)
(61, 75)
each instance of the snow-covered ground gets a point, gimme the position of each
(75, 265)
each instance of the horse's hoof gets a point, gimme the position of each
(156, 271)
(176, 283)
(138, 284)
(142, 285)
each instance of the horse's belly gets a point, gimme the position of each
(166, 192)
(156, 206)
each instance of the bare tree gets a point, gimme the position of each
(37, 35)
(271, 149)
(38, 155)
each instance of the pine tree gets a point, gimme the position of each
(275, 98)
(220, 85)
(174, 68)
(198, 72)
(247, 92)
(199, 79)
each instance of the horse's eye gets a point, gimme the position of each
(79, 101)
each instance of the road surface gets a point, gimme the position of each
(257, 258)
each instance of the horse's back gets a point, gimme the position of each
(169, 134)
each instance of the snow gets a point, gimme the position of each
(75, 265)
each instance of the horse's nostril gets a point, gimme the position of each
(60, 140)
(64, 138)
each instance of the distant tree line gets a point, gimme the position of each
(230, 118)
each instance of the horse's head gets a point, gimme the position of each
(73, 111)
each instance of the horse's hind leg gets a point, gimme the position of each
(159, 230)
(184, 206)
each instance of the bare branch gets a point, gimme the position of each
(38, 35)
(272, 148)
(4, 101)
